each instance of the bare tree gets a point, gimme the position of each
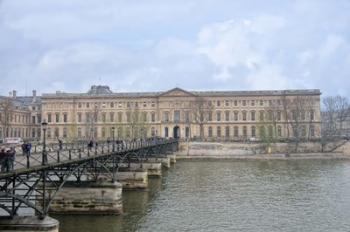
(201, 110)
(336, 111)
(6, 114)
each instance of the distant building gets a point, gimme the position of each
(224, 115)
(20, 116)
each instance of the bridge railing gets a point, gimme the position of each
(68, 152)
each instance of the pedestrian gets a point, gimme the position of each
(2, 159)
(29, 149)
(90, 145)
(24, 149)
(10, 159)
(60, 144)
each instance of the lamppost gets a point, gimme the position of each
(44, 154)
(113, 147)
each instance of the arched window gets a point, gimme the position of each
(153, 131)
(166, 132)
(187, 132)
(312, 130)
(245, 131)
(252, 115)
(279, 131)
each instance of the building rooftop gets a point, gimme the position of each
(104, 91)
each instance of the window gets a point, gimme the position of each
(79, 105)
(65, 117)
(210, 116)
(128, 116)
(227, 103)
(279, 131)
(227, 115)
(33, 119)
(245, 131)
(252, 115)
(57, 132)
(218, 131)
(144, 117)
(57, 117)
(153, 131)
(302, 115)
(261, 115)
(48, 132)
(153, 117)
(187, 116)
(103, 117)
(187, 132)
(218, 116)
(235, 103)
(64, 132)
(112, 104)
(312, 115)
(303, 131)
(218, 103)
(235, 115)
(244, 102)
(210, 132)
(103, 132)
(279, 116)
(166, 116)
(111, 116)
(235, 131)
(227, 131)
(253, 131)
(166, 132)
(244, 116)
(87, 105)
(270, 131)
(262, 131)
(261, 102)
(270, 115)
(312, 130)
(79, 132)
(153, 104)
(144, 104)
(252, 103)
(120, 116)
(177, 116)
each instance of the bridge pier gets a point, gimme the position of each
(88, 198)
(28, 224)
(132, 179)
(153, 169)
(165, 161)
(172, 158)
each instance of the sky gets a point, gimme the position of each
(156, 45)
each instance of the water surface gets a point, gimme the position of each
(301, 195)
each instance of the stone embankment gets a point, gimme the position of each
(211, 150)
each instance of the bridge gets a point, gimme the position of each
(35, 181)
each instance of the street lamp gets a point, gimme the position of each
(44, 154)
(113, 139)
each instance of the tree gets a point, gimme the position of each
(201, 110)
(6, 114)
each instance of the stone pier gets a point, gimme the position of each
(88, 198)
(153, 169)
(165, 161)
(28, 224)
(132, 179)
(172, 158)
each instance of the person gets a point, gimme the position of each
(90, 145)
(2, 159)
(60, 144)
(29, 148)
(10, 159)
(24, 149)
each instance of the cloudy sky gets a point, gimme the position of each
(151, 45)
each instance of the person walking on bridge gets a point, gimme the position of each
(2, 159)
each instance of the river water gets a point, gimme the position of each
(301, 195)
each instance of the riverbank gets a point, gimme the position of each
(292, 156)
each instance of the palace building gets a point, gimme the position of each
(209, 115)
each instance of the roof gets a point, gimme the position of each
(104, 91)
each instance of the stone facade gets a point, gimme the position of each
(20, 116)
(209, 115)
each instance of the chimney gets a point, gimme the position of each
(14, 93)
(34, 93)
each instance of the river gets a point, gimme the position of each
(301, 195)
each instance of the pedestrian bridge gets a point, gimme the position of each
(36, 180)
